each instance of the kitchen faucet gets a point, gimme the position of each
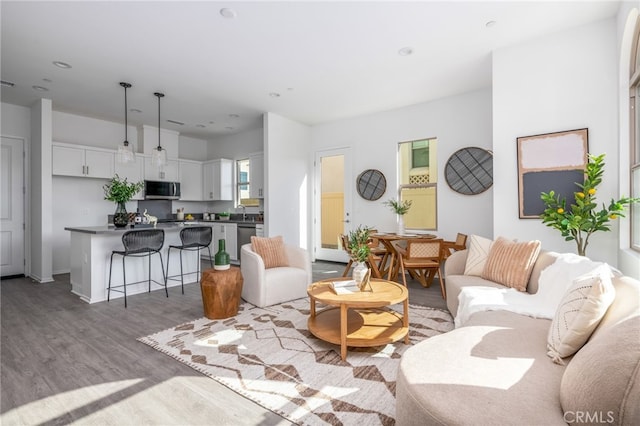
(244, 211)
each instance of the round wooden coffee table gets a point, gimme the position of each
(359, 319)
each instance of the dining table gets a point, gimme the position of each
(389, 264)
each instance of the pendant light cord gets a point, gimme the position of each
(126, 127)
(159, 95)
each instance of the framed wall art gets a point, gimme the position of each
(550, 162)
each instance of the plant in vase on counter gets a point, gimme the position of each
(120, 191)
(224, 215)
(359, 251)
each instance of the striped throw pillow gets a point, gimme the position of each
(510, 263)
(271, 250)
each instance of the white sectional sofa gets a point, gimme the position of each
(494, 368)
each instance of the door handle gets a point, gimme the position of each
(347, 221)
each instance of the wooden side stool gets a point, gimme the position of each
(221, 291)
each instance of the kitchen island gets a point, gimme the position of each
(91, 249)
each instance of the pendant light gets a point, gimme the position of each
(125, 152)
(159, 155)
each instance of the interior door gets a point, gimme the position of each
(12, 207)
(333, 203)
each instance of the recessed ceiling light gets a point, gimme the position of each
(229, 128)
(234, 116)
(6, 83)
(40, 88)
(202, 126)
(274, 95)
(135, 110)
(211, 122)
(61, 64)
(228, 13)
(490, 24)
(47, 80)
(405, 51)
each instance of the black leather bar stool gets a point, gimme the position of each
(138, 243)
(192, 238)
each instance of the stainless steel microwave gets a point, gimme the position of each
(161, 190)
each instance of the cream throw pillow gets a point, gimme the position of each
(271, 250)
(579, 313)
(510, 263)
(604, 376)
(477, 255)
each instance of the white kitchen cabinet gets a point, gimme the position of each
(190, 180)
(228, 232)
(218, 180)
(256, 175)
(168, 172)
(80, 161)
(134, 172)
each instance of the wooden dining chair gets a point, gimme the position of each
(380, 254)
(344, 241)
(449, 247)
(422, 258)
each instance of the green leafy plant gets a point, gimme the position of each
(224, 214)
(359, 249)
(580, 220)
(399, 207)
(119, 190)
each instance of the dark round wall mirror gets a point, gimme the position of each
(371, 184)
(469, 171)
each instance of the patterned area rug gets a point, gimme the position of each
(269, 356)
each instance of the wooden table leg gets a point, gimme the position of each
(392, 261)
(312, 308)
(343, 331)
(405, 319)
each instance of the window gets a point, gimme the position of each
(242, 180)
(420, 154)
(417, 177)
(634, 143)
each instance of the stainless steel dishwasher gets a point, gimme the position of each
(245, 231)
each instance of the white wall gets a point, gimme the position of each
(77, 129)
(41, 267)
(15, 121)
(458, 122)
(238, 145)
(193, 149)
(559, 82)
(287, 180)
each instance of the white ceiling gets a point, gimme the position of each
(326, 60)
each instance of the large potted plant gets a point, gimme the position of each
(120, 191)
(580, 220)
(400, 208)
(359, 252)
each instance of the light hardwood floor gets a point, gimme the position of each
(64, 361)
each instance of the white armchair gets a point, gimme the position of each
(264, 287)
